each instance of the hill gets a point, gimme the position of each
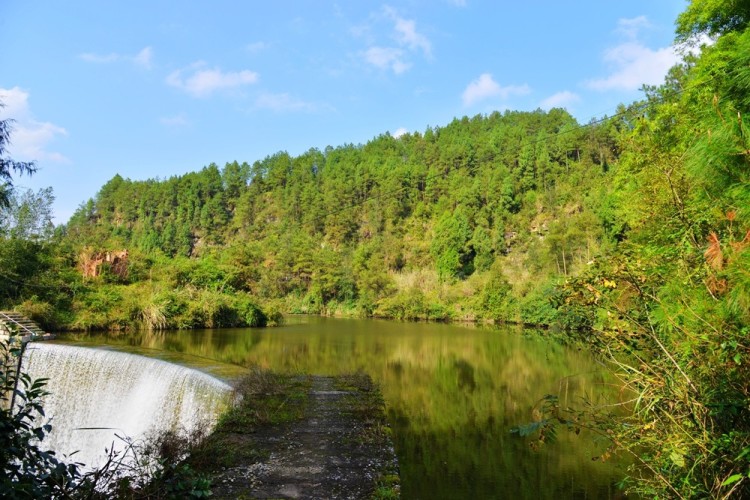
(474, 220)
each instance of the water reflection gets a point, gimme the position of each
(452, 394)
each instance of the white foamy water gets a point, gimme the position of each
(129, 395)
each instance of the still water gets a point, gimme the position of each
(452, 395)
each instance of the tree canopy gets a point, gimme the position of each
(9, 165)
(712, 18)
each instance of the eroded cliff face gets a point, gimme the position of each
(90, 262)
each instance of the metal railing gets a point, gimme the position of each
(23, 329)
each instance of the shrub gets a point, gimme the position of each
(537, 308)
(28, 470)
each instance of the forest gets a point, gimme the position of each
(482, 219)
(629, 235)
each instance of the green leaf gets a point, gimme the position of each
(677, 458)
(528, 429)
(732, 479)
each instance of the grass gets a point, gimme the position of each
(389, 487)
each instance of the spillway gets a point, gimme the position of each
(97, 393)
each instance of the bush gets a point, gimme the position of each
(28, 471)
(251, 314)
(495, 300)
(537, 308)
(42, 313)
(410, 305)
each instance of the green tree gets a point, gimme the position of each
(9, 165)
(28, 216)
(672, 296)
(449, 246)
(712, 18)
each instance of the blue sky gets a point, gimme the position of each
(153, 89)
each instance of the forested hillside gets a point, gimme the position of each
(632, 233)
(475, 220)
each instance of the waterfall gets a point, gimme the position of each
(129, 395)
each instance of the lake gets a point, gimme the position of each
(453, 393)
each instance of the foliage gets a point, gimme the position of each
(671, 298)
(9, 165)
(28, 470)
(412, 305)
(155, 468)
(712, 17)
(496, 301)
(28, 216)
(545, 428)
(449, 246)
(339, 230)
(538, 307)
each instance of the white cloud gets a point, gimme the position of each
(406, 33)
(203, 82)
(363, 31)
(98, 58)
(283, 102)
(562, 99)
(29, 138)
(399, 132)
(695, 45)
(387, 58)
(15, 104)
(631, 27)
(635, 65)
(407, 40)
(143, 58)
(179, 120)
(485, 87)
(631, 63)
(256, 47)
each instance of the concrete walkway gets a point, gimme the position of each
(340, 449)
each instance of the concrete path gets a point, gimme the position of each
(338, 450)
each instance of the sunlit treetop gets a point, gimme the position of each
(712, 18)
